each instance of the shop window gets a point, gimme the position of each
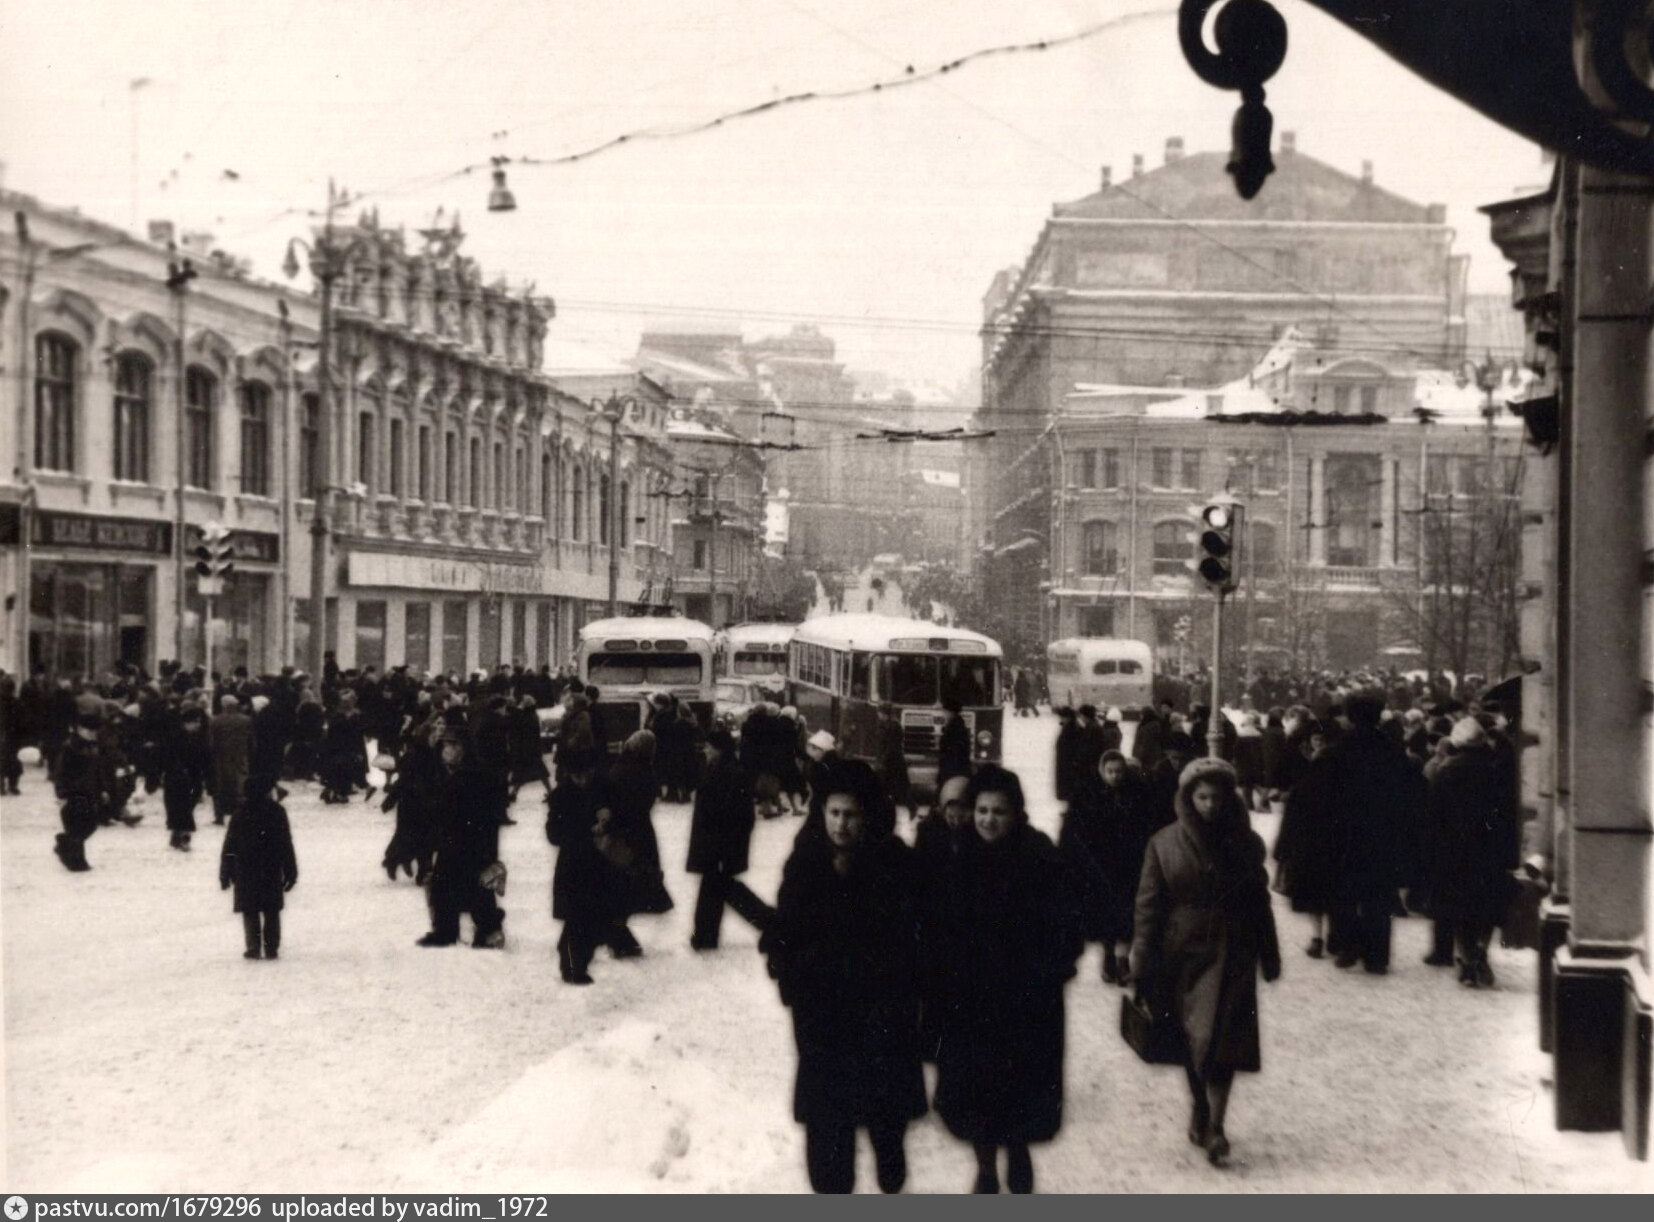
(370, 634)
(200, 409)
(545, 645)
(488, 634)
(54, 402)
(134, 382)
(456, 630)
(519, 633)
(416, 635)
(255, 439)
(240, 624)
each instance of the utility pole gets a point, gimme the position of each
(615, 412)
(712, 553)
(179, 274)
(1214, 724)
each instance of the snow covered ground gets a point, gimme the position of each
(142, 1053)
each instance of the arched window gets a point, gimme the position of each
(604, 511)
(546, 489)
(255, 439)
(499, 500)
(577, 510)
(133, 385)
(1171, 549)
(475, 474)
(1101, 549)
(200, 405)
(310, 435)
(54, 401)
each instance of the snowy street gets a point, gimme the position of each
(144, 1054)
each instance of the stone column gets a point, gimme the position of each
(1318, 509)
(1387, 513)
(1608, 759)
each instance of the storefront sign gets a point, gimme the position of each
(435, 573)
(50, 529)
(254, 546)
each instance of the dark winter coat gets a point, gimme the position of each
(344, 759)
(1105, 833)
(844, 951)
(528, 765)
(720, 830)
(415, 794)
(230, 738)
(892, 763)
(1472, 839)
(1272, 749)
(1067, 773)
(258, 856)
(1146, 745)
(185, 767)
(269, 741)
(1203, 927)
(1377, 798)
(470, 806)
(584, 886)
(634, 788)
(953, 750)
(1000, 939)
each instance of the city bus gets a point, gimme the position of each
(754, 651)
(1100, 671)
(846, 672)
(629, 659)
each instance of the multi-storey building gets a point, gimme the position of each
(471, 518)
(718, 518)
(1163, 282)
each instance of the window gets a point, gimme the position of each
(1268, 469)
(525, 494)
(700, 555)
(1191, 469)
(450, 469)
(417, 634)
(625, 512)
(475, 473)
(1341, 399)
(632, 669)
(456, 630)
(255, 439)
(1088, 468)
(1352, 495)
(1097, 621)
(519, 635)
(1261, 537)
(398, 457)
(310, 436)
(370, 634)
(200, 401)
(422, 488)
(364, 451)
(544, 643)
(1369, 400)
(545, 487)
(1162, 472)
(54, 402)
(498, 499)
(861, 676)
(1171, 549)
(1101, 555)
(603, 511)
(1110, 477)
(132, 396)
(577, 513)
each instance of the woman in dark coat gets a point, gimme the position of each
(528, 764)
(1306, 847)
(1203, 930)
(634, 787)
(413, 794)
(583, 885)
(258, 860)
(1105, 833)
(1001, 939)
(844, 952)
(1472, 843)
(953, 745)
(184, 772)
(1066, 772)
(720, 831)
(344, 752)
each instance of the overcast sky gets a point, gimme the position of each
(883, 216)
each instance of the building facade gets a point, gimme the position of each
(719, 519)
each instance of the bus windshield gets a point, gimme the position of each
(641, 669)
(919, 679)
(752, 662)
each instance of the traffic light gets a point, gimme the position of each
(1219, 545)
(213, 556)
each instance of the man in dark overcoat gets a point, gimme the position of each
(470, 806)
(720, 831)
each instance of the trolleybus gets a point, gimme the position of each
(1100, 671)
(849, 673)
(629, 659)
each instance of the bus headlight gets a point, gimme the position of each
(984, 738)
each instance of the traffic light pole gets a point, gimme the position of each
(1214, 724)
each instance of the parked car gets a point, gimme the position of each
(735, 698)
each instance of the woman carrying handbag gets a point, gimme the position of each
(1203, 930)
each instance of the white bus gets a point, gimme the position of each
(1100, 671)
(848, 672)
(629, 659)
(754, 651)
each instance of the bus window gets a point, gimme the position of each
(747, 662)
(971, 681)
(1130, 667)
(907, 679)
(1108, 666)
(633, 669)
(861, 676)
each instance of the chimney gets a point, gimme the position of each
(1108, 177)
(160, 233)
(1366, 173)
(1289, 143)
(1174, 149)
(1137, 165)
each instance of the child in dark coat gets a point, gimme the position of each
(258, 860)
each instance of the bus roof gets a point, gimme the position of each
(647, 627)
(1100, 647)
(759, 634)
(890, 633)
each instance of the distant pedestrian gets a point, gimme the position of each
(259, 861)
(185, 770)
(230, 738)
(1203, 929)
(467, 874)
(583, 887)
(720, 832)
(953, 744)
(82, 785)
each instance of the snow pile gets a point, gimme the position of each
(626, 1110)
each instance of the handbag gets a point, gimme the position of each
(1152, 1033)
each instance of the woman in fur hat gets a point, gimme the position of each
(1203, 929)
